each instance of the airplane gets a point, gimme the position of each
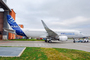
(50, 35)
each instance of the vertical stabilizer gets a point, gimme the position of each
(15, 26)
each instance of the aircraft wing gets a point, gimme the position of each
(9, 30)
(49, 31)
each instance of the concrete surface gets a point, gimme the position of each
(68, 44)
(11, 51)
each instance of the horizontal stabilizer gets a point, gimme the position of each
(9, 30)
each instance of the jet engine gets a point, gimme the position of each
(63, 38)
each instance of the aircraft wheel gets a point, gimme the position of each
(81, 41)
(73, 41)
(84, 41)
(87, 41)
(49, 41)
(45, 40)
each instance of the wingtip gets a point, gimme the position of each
(41, 20)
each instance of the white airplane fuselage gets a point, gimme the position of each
(43, 34)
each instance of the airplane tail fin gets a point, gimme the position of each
(12, 23)
(15, 26)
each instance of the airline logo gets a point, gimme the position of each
(67, 34)
(11, 21)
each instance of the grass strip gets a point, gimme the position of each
(26, 40)
(53, 54)
(75, 54)
(37, 53)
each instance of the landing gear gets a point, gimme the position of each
(49, 41)
(45, 40)
(73, 40)
(87, 41)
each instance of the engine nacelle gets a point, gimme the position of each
(63, 38)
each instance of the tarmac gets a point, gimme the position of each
(68, 44)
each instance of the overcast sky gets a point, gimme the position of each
(57, 14)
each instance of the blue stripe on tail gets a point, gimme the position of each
(14, 25)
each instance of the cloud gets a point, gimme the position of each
(57, 14)
(73, 21)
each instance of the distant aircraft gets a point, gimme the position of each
(60, 35)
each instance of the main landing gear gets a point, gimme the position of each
(45, 39)
(73, 40)
(48, 40)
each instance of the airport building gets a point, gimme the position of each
(4, 11)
